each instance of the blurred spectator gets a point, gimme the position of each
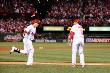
(12, 26)
(95, 13)
(64, 10)
(22, 6)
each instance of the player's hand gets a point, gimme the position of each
(70, 42)
(83, 29)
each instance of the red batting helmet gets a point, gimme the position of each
(35, 21)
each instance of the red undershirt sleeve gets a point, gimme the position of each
(71, 35)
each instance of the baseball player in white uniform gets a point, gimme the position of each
(77, 38)
(27, 40)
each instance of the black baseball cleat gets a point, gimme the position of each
(12, 49)
(10, 52)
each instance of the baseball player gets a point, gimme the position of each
(77, 38)
(28, 35)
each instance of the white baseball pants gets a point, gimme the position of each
(78, 45)
(29, 50)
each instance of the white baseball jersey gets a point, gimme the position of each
(31, 30)
(78, 31)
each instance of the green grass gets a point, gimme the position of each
(56, 52)
(52, 69)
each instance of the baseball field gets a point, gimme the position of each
(55, 58)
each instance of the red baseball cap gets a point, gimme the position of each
(76, 20)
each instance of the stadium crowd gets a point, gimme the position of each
(92, 13)
(12, 26)
(20, 6)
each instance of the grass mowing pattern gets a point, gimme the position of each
(52, 69)
(56, 52)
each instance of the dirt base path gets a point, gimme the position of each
(53, 63)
